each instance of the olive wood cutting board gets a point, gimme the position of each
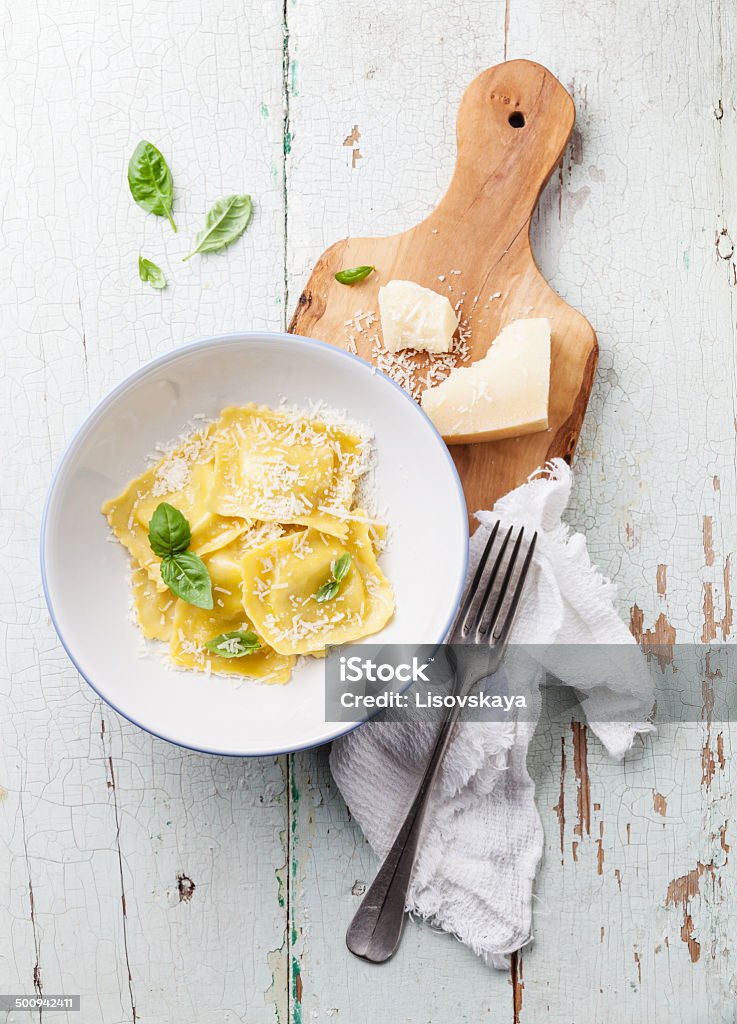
(514, 122)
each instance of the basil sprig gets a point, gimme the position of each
(184, 572)
(235, 644)
(353, 275)
(341, 567)
(186, 575)
(150, 273)
(327, 591)
(330, 589)
(168, 531)
(150, 181)
(226, 221)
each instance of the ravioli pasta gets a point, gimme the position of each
(183, 478)
(270, 499)
(281, 578)
(284, 471)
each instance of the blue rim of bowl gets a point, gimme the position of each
(245, 337)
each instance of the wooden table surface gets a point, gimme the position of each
(163, 885)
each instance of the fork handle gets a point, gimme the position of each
(376, 928)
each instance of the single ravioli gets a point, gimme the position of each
(281, 468)
(184, 479)
(193, 627)
(280, 581)
(154, 608)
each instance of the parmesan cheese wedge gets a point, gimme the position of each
(415, 317)
(505, 394)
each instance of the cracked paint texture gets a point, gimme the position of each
(164, 885)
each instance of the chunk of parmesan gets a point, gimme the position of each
(505, 394)
(415, 317)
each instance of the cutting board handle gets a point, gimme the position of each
(513, 124)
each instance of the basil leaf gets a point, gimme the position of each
(236, 644)
(168, 531)
(150, 273)
(327, 591)
(186, 575)
(226, 221)
(150, 181)
(341, 567)
(353, 275)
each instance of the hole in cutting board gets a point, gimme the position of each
(517, 119)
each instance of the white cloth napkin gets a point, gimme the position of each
(483, 838)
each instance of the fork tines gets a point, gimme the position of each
(491, 600)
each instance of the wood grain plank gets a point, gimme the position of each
(382, 176)
(664, 310)
(156, 874)
(636, 228)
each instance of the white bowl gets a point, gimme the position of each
(85, 577)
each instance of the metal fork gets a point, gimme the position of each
(485, 618)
